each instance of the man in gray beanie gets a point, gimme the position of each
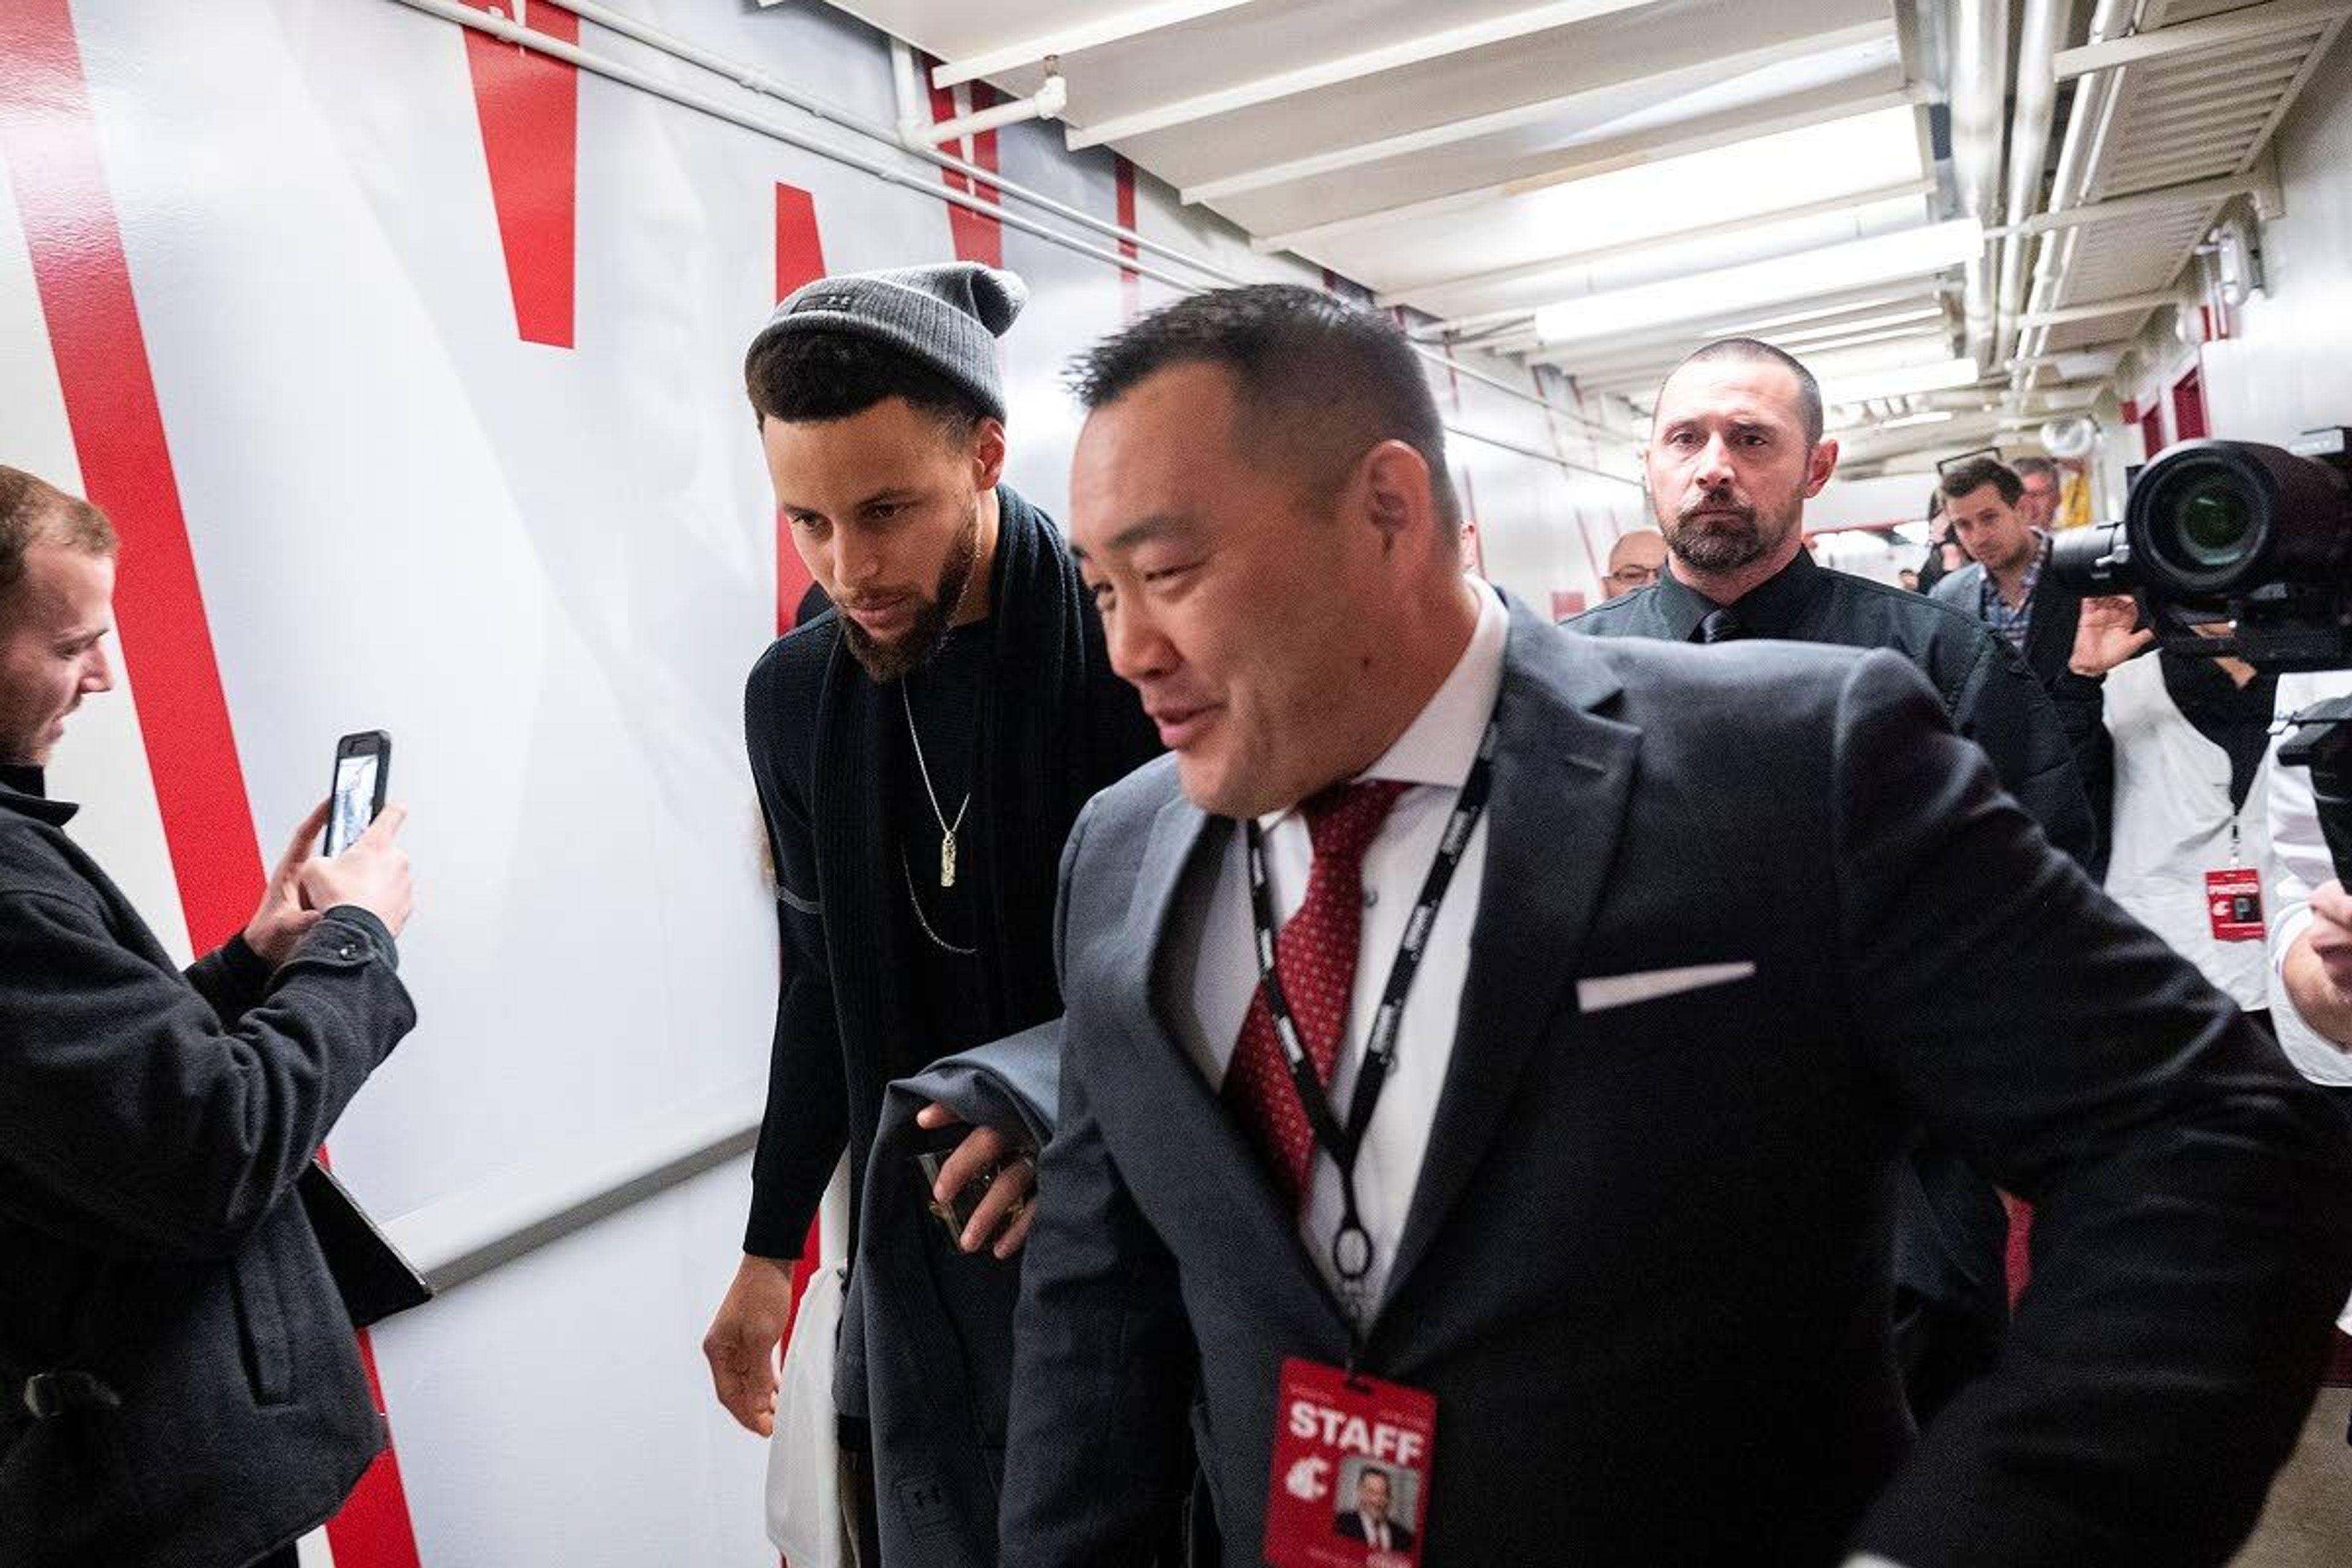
(920, 753)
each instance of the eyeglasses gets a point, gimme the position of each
(1634, 576)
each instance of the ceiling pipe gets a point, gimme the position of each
(2086, 125)
(1978, 92)
(2043, 35)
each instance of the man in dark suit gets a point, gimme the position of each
(1726, 930)
(180, 1387)
(1737, 449)
(2008, 586)
(1369, 1522)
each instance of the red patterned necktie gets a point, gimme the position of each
(1315, 958)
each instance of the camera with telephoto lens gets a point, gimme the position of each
(2259, 537)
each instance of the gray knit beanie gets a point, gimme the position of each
(948, 317)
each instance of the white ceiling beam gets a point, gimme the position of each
(2099, 311)
(1567, 261)
(1795, 113)
(2214, 33)
(1079, 33)
(1660, 86)
(1346, 69)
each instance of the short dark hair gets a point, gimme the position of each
(1963, 478)
(2043, 466)
(1323, 379)
(1371, 1470)
(1809, 391)
(31, 509)
(813, 376)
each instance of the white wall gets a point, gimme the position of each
(2290, 368)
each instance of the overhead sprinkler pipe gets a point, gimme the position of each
(1978, 91)
(2043, 34)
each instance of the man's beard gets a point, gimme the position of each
(888, 662)
(1726, 542)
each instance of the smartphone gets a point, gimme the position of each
(363, 770)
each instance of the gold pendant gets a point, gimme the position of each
(947, 859)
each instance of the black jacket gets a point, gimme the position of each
(153, 1126)
(1952, 1231)
(927, 1330)
(825, 741)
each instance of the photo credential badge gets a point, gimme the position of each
(1349, 1485)
(2234, 902)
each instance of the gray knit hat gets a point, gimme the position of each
(948, 317)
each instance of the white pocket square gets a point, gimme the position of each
(1604, 992)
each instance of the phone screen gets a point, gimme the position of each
(354, 806)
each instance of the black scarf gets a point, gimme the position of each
(1057, 727)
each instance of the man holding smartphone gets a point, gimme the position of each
(920, 753)
(178, 1382)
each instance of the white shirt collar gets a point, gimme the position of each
(1440, 744)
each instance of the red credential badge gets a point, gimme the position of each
(2233, 901)
(1351, 1479)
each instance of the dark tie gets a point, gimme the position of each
(1315, 957)
(1720, 625)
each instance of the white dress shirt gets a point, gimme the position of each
(2300, 853)
(1210, 965)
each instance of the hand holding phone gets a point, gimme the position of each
(362, 864)
(363, 774)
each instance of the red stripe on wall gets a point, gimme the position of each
(800, 248)
(530, 110)
(1130, 281)
(84, 281)
(48, 134)
(373, 1530)
(977, 238)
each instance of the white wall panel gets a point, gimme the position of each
(2291, 368)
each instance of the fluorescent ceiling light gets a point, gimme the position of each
(1856, 265)
(1850, 157)
(1934, 416)
(1807, 73)
(1901, 382)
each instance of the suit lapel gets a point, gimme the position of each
(1193, 1122)
(1562, 777)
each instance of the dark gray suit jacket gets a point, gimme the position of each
(1645, 1272)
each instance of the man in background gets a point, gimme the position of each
(2008, 586)
(2043, 487)
(180, 1387)
(1737, 449)
(1634, 562)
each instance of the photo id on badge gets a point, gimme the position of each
(2234, 902)
(1349, 1482)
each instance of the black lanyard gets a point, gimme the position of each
(1352, 1248)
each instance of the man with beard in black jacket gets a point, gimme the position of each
(1736, 451)
(920, 752)
(178, 1382)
